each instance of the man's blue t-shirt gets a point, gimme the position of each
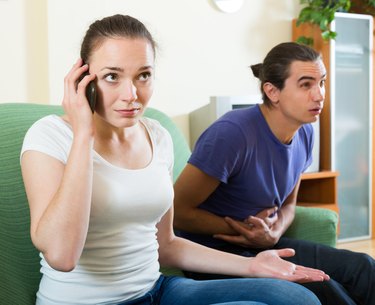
(256, 170)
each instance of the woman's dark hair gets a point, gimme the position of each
(115, 26)
(275, 68)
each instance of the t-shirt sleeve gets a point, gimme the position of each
(219, 150)
(50, 137)
(310, 144)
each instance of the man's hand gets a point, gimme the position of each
(256, 234)
(269, 216)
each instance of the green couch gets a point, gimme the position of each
(19, 260)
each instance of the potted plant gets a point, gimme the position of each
(321, 13)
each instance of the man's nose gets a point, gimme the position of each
(318, 93)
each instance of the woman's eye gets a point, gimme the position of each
(111, 77)
(144, 76)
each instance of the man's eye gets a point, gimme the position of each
(305, 85)
(322, 83)
(111, 77)
(144, 76)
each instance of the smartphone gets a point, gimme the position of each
(91, 94)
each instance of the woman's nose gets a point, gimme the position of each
(128, 92)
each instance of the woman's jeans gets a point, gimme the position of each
(255, 291)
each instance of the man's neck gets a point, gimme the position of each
(280, 126)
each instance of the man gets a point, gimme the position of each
(238, 191)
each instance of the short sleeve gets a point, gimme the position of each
(49, 135)
(219, 150)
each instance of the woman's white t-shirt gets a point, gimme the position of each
(120, 257)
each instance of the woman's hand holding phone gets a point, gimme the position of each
(75, 103)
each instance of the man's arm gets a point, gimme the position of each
(192, 187)
(261, 231)
(287, 212)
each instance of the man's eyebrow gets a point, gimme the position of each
(305, 77)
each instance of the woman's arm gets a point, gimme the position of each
(180, 253)
(60, 195)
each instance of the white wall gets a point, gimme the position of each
(202, 51)
(13, 80)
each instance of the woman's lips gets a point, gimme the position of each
(134, 108)
(128, 112)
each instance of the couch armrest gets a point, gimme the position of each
(314, 224)
(170, 271)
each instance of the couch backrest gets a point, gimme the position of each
(19, 260)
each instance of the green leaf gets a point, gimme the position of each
(324, 25)
(327, 35)
(305, 40)
(322, 13)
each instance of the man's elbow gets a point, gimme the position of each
(178, 221)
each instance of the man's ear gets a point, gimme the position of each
(272, 92)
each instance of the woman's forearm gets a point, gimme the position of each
(61, 231)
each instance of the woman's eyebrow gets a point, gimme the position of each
(113, 69)
(118, 69)
(146, 67)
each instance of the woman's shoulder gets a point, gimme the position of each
(159, 134)
(154, 127)
(50, 135)
(51, 123)
(51, 127)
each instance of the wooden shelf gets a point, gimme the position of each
(319, 190)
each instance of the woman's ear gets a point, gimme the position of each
(272, 92)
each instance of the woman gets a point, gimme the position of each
(100, 193)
